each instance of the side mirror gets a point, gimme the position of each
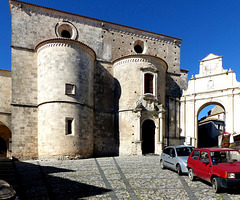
(172, 155)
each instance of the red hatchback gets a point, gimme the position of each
(219, 166)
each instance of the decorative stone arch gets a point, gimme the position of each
(5, 141)
(213, 85)
(156, 119)
(199, 110)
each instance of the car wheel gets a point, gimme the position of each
(216, 184)
(179, 170)
(191, 175)
(162, 164)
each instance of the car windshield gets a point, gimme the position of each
(225, 156)
(184, 151)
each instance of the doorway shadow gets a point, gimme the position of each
(47, 182)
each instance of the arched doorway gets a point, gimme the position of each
(5, 140)
(3, 147)
(211, 124)
(148, 137)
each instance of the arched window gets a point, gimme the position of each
(148, 83)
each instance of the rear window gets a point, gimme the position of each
(184, 151)
(195, 154)
(224, 156)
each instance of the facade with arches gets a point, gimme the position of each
(212, 86)
(82, 87)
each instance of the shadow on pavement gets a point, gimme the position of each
(223, 190)
(46, 182)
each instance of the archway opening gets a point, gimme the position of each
(5, 141)
(3, 147)
(211, 124)
(148, 137)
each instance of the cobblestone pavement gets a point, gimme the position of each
(136, 177)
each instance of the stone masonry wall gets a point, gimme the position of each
(5, 100)
(24, 104)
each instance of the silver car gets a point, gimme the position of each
(175, 158)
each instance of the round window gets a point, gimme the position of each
(66, 30)
(139, 46)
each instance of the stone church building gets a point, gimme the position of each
(82, 87)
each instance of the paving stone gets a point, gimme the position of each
(135, 177)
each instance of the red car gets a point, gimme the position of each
(219, 166)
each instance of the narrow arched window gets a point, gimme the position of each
(148, 83)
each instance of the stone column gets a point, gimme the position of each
(138, 140)
(161, 130)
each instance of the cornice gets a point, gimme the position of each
(130, 60)
(138, 58)
(110, 26)
(60, 42)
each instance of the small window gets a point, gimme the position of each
(204, 156)
(65, 34)
(172, 152)
(166, 151)
(69, 126)
(66, 30)
(138, 49)
(139, 46)
(148, 83)
(195, 154)
(70, 89)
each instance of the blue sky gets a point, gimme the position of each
(205, 26)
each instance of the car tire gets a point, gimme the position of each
(179, 170)
(216, 184)
(162, 164)
(191, 174)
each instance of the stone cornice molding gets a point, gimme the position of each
(24, 105)
(210, 94)
(67, 102)
(157, 39)
(173, 74)
(149, 68)
(5, 73)
(22, 48)
(130, 60)
(139, 58)
(60, 42)
(62, 16)
(5, 113)
(225, 72)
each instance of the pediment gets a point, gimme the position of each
(210, 65)
(211, 56)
